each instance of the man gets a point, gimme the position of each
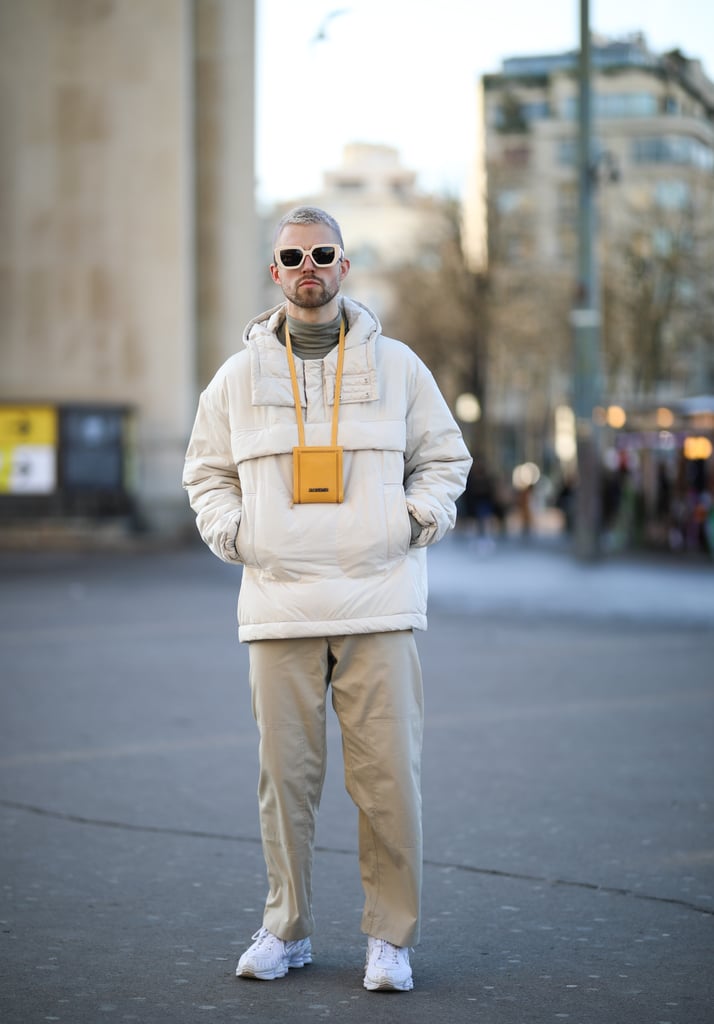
(334, 579)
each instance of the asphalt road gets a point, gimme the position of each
(568, 770)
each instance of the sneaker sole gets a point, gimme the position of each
(248, 972)
(301, 961)
(384, 985)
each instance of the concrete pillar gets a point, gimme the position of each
(227, 243)
(124, 216)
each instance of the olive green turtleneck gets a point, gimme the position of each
(311, 341)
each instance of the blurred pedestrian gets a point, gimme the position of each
(480, 497)
(332, 540)
(525, 508)
(565, 502)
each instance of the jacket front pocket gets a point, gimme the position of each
(373, 531)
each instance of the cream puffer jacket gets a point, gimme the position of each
(326, 569)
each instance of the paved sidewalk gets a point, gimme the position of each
(541, 578)
(568, 766)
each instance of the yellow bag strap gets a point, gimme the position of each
(338, 384)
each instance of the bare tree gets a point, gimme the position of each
(441, 307)
(658, 301)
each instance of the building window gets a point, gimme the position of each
(510, 119)
(666, 242)
(672, 195)
(673, 149)
(516, 156)
(514, 116)
(613, 106)
(567, 152)
(538, 110)
(508, 200)
(662, 242)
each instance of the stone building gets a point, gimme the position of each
(128, 243)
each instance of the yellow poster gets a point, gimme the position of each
(28, 424)
(28, 449)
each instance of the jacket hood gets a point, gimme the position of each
(358, 316)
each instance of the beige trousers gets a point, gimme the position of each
(377, 694)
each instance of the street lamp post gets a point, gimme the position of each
(586, 320)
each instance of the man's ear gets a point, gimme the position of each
(275, 272)
(344, 268)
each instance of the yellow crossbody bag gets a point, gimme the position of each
(317, 471)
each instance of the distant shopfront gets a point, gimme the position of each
(66, 460)
(659, 478)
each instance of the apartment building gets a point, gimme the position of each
(652, 163)
(653, 160)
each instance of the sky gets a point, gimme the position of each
(404, 73)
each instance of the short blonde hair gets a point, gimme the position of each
(308, 215)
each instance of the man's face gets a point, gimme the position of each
(309, 286)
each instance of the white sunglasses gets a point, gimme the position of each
(292, 257)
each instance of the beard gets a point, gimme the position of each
(320, 294)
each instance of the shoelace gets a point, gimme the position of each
(264, 937)
(388, 950)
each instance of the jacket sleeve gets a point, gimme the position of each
(437, 461)
(211, 478)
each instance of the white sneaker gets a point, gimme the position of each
(269, 957)
(387, 966)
